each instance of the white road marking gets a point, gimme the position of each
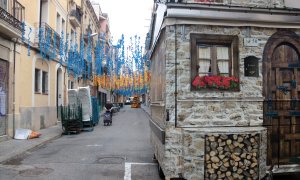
(127, 174)
(95, 145)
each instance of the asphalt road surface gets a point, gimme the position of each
(118, 152)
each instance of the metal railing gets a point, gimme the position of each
(76, 13)
(49, 32)
(12, 12)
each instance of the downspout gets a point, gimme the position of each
(175, 76)
(14, 72)
(40, 21)
(14, 88)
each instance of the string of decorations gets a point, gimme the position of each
(117, 68)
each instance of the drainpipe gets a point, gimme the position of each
(175, 77)
(14, 88)
(14, 73)
(40, 23)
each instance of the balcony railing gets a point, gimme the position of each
(76, 13)
(49, 33)
(12, 12)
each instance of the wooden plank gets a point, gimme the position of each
(292, 137)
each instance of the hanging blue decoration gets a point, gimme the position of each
(54, 46)
(89, 56)
(81, 56)
(66, 46)
(30, 30)
(48, 41)
(61, 45)
(42, 43)
(23, 31)
(98, 67)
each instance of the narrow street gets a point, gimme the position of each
(121, 151)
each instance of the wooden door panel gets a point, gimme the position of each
(283, 122)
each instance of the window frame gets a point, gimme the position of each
(37, 81)
(45, 79)
(214, 40)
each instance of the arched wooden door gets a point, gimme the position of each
(282, 93)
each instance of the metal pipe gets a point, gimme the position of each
(14, 88)
(40, 23)
(175, 94)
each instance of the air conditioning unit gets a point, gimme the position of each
(292, 4)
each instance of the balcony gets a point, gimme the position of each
(48, 35)
(88, 31)
(11, 17)
(75, 17)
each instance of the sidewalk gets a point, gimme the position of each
(146, 109)
(12, 148)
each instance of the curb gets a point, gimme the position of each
(21, 152)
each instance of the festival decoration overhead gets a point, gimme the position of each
(120, 69)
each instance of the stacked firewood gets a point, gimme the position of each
(232, 156)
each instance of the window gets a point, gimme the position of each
(58, 23)
(213, 55)
(213, 60)
(45, 82)
(3, 4)
(63, 25)
(73, 36)
(37, 80)
(71, 85)
(41, 81)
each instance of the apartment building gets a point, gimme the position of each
(35, 50)
(11, 16)
(40, 78)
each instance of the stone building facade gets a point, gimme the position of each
(209, 133)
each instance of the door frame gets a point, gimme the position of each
(277, 39)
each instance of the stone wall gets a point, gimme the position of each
(214, 108)
(211, 113)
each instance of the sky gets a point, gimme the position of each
(128, 17)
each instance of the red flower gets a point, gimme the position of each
(202, 84)
(196, 81)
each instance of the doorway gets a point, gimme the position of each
(59, 91)
(3, 96)
(282, 93)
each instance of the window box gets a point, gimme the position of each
(216, 82)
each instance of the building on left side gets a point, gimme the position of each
(12, 14)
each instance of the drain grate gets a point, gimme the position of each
(35, 172)
(110, 160)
